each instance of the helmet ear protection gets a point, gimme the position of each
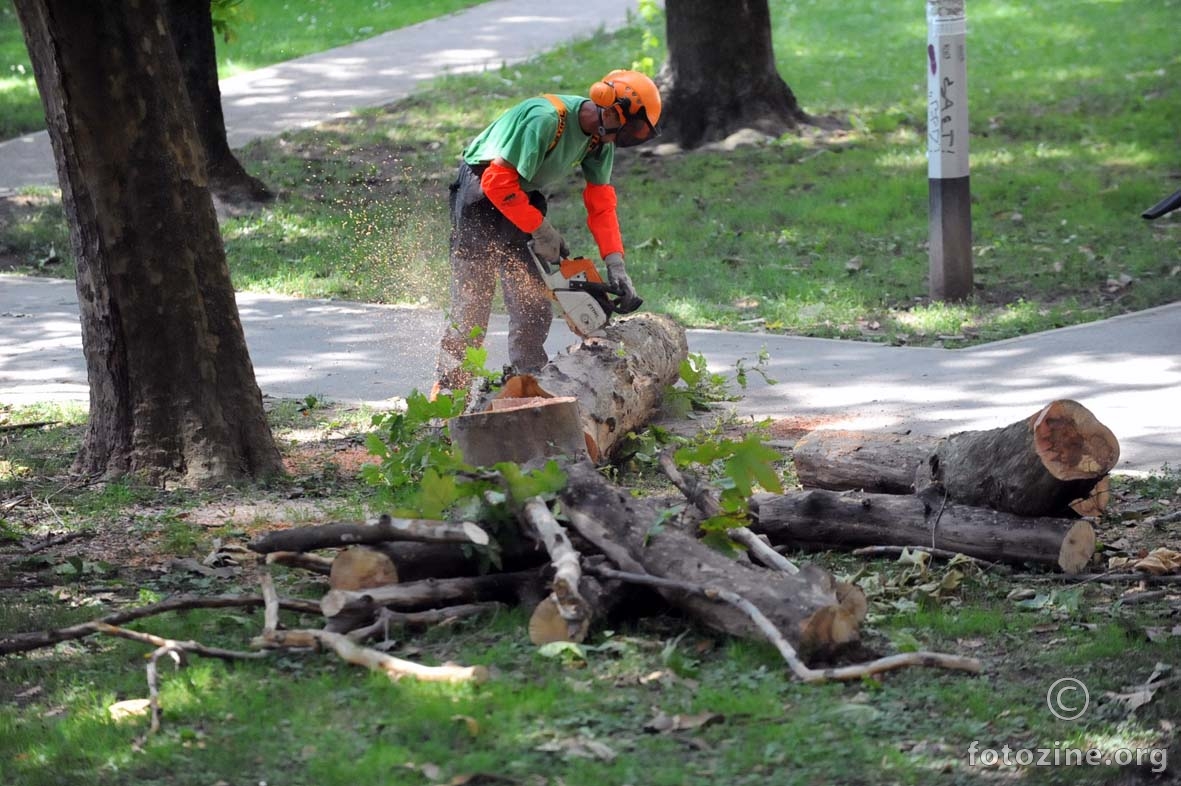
(602, 94)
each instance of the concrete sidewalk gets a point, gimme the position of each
(1126, 370)
(310, 90)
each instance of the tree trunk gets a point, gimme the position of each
(191, 27)
(720, 75)
(1034, 467)
(819, 518)
(172, 389)
(619, 380)
(870, 461)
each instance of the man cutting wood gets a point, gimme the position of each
(498, 212)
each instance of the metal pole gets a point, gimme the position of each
(950, 220)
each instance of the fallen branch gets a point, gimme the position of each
(57, 540)
(186, 646)
(381, 530)
(428, 593)
(5, 428)
(789, 653)
(566, 616)
(394, 668)
(1101, 578)
(296, 559)
(387, 618)
(895, 551)
(24, 642)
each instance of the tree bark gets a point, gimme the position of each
(720, 75)
(870, 461)
(804, 606)
(618, 379)
(172, 389)
(818, 518)
(1037, 466)
(190, 25)
(384, 528)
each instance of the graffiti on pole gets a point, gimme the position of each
(947, 90)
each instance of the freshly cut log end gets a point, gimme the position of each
(520, 430)
(1077, 548)
(547, 626)
(619, 379)
(1072, 443)
(833, 625)
(1037, 466)
(359, 567)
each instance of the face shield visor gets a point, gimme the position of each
(635, 131)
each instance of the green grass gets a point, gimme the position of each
(1073, 134)
(263, 32)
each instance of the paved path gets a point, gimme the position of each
(301, 93)
(1126, 370)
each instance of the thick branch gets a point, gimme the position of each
(789, 653)
(567, 601)
(23, 642)
(382, 530)
(394, 668)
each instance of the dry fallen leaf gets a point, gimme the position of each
(131, 708)
(666, 724)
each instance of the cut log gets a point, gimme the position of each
(821, 518)
(618, 379)
(1034, 467)
(519, 430)
(804, 606)
(380, 530)
(360, 567)
(877, 462)
(427, 594)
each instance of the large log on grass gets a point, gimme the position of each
(1037, 466)
(821, 518)
(879, 462)
(618, 381)
(804, 606)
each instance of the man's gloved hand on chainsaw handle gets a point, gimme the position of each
(498, 212)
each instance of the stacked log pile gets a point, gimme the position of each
(1013, 494)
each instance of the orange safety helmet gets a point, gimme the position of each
(636, 100)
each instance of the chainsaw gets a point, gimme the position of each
(587, 302)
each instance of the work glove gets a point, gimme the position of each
(619, 280)
(547, 242)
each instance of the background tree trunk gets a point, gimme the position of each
(172, 389)
(720, 75)
(191, 26)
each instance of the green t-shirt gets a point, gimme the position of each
(522, 135)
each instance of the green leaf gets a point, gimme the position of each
(437, 494)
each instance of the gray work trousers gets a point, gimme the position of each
(485, 246)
